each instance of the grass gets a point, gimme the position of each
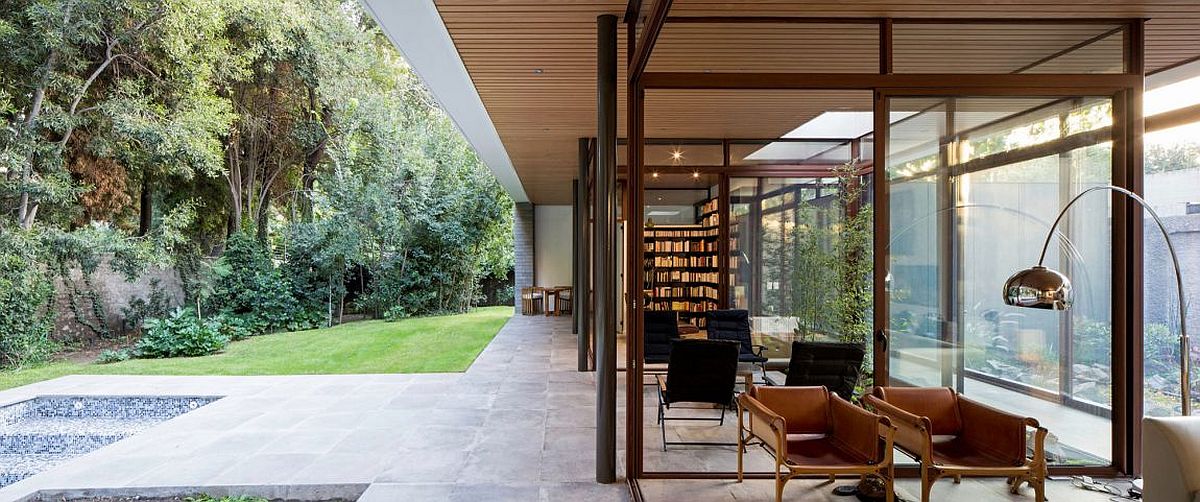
(419, 345)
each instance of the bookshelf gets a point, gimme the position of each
(681, 267)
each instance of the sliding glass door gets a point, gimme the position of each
(973, 186)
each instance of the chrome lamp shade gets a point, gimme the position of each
(1038, 287)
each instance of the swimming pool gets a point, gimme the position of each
(39, 433)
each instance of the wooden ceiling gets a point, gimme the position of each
(541, 114)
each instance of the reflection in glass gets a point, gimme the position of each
(973, 183)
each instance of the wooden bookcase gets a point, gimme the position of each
(681, 267)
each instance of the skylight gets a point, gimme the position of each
(840, 125)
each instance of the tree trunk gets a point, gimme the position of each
(146, 203)
(308, 176)
(262, 219)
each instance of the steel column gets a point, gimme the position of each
(579, 301)
(604, 256)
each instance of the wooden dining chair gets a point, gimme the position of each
(530, 301)
(563, 303)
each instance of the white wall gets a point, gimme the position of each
(552, 245)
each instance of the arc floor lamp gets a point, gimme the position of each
(1045, 288)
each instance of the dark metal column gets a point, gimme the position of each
(580, 302)
(604, 258)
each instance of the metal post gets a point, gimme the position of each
(581, 303)
(604, 258)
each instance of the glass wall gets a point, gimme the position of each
(973, 186)
(797, 244)
(1172, 187)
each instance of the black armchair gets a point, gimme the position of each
(661, 329)
(734, 325)
(836, 366)
(699, 371)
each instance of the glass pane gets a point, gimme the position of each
(974, 184)
(681, 245)
(801, 265)
(807, 152)
(1172, 183)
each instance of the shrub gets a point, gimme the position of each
(181, 334)
(156, 304)
(26, 298)
(114, 356)
(253, 286)
(237, 327)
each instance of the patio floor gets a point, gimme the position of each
(518, 425)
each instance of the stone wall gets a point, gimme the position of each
(523, 271)
(114, 294)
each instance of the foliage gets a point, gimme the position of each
(114, 356)
(147, 132)
(27, 316)
(239, 327)
(1178, 156)
(254, 287)
(156, 304)
(181, 334)
(831, 279)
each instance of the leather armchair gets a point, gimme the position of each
(1170, 454)
(953, 436)
(812, 431)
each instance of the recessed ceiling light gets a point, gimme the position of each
(696, 174)
(654, 174)
(538, 71)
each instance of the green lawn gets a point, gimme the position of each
(420, 345)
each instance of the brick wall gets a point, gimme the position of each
(523, 249)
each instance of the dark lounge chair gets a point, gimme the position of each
(835, 366)
(661, 330)
(734, 325)
(698, 371)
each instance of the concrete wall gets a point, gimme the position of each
(1170, 192)
(1161, 298)
(552, 245)
(523, 249)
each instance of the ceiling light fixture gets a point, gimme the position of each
(696, 174)
(654, 174)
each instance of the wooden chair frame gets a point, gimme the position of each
(915, 439)
(774, 442)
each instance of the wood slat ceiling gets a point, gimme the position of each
(541, 116)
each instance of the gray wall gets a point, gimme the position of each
(114, 293)
(523, 264)
(1161, 306)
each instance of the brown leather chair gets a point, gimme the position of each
(951, 435)
(812, 431)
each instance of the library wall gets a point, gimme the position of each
(552, 245)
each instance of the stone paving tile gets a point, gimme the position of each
(474, 436)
